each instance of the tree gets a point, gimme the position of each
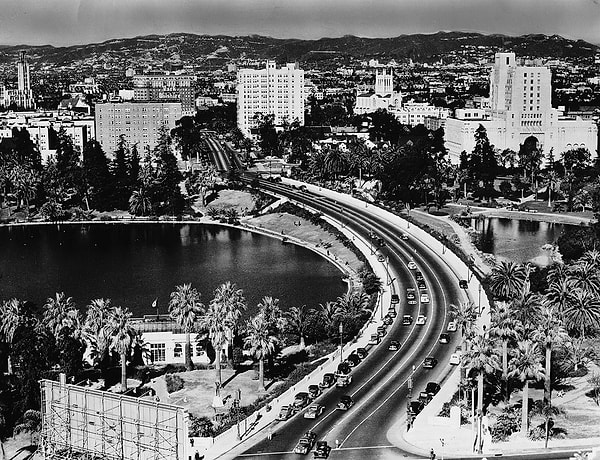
(120, 172)
(526, 366)
(98, 315)
(527, 309)
(11, 317)
(269, 139)
(69, 174)
(505, 327)
(507, 280)
(582, 313)
(186, 309)
(330, 314)
(31, 423)
(233, 305)
(269, 308)
(213, 322)
(335, 162)
(140, 203)
(97, 177)
(166, 191)
(121, 334)
(261, 343)
(133, 167)
(584, 276)
(297, 321)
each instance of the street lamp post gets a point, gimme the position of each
(341, 331)
(479, 299)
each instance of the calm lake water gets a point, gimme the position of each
(518, 240)
(132, 264)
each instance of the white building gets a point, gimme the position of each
(520, 107)
(383, 97)
(415, 113)
(22, 97)
(270, 91)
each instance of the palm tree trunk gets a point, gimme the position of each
(480, 412)
(189, 365)
(524, 409)
(218, 351)
(302, 342)
(123, 373)
(548, 379)
(261, 375)
(505, 370)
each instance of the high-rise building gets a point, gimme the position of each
(520, 109)
(165, 88)
(270, 91)
(139, 122)
(22, 97)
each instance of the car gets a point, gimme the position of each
(343, 381)
(285, 412)
(395, 299)
(455, 359)
(419, 275)
(352, 360)
(424, 298)
(392, 312)
(362, 353)
(381, 331)
(305, 443)
(322, 450)
(375, 339)
(423, 398)
(313, 391)
(415, 407)
(452, 326)
(314, 410)
(463, 284)
(407, 320)
(421, 320)
(412, 265)
(342, 369)
(328, 381)
(301, 400)
(387, 320)
(430, 362)
(432, 388)
(394, 345)
(444, 338)
(403, 236)
(421, 285)
(410, 293)
(346, 402)
(380, 258)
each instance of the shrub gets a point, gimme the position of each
(507, 423)
(174, 383)
(200, 427)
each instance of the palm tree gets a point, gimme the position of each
(59, 313)
(261, 343)
(185, 308)
(140, 203)
(559, 294)
(233, 302)
(583, 313)
(11, 316)
(508, 280)
(95, 332)
(481, 359)
(592, 256)
(330, 313)
(121, 334)
(297, 321)
(557, 273)
(585, 277)
(505, 327)
(464, 316)
(213, 322)
(353, 304)
(526, 366)
(550, 332)
(527, 309)
(269, 308)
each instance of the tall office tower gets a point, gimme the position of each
(165, 88)
(384, 81)
(270, 91)
(23, 97)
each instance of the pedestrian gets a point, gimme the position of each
(432, 454)
(270, 433)
(337, 444)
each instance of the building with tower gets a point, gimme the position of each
(383, 96)
(22, 96)
(520, 110)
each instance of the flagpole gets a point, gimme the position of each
(155, 305)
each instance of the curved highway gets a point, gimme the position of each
(379, 387)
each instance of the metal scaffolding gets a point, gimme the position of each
(81, 423)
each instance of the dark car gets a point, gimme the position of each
(322, 450)
(432, 388)
(463, 284)
(387, 320)
(328, 381)
(419, 275)
(343, 381)
(301, 400)
(421, 285)
(394, 345)
(343, 369)
(345, 403)
(392, 312)
(407, 320)
(430, 362)
(313, 391)
(285, 412)
(362, 353)
(444, 338)
(424, 397)
(381, 331)
(353, 360)
(305, 443)
(395, 299)
(415, 407)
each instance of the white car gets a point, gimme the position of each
(424, 298)
(452, 327)
(455, 359)
(403, 236)
(412, 265)
(421, 320)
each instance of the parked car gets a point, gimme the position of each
(353, 360)
(423, 398)
(421, 320)
(395, 299)
(415, 407)
(301, 400)
(444, 338)
(463, 284)
(380, 258)
(403, 236)
(419, 275)
(407, 320)
(375, 339)
(346, 402)
(322, 450)
(305, 443)
(343, 381)
(455, 359)
(387, 320)
(421, 285)
(394, 345)
(343, 369)
(285, 412)
(362, 353)
(452, 326)
(432, 388)
(392, 312)
(314, 410)
(430, 362)
(412, 265)
(328, 381)
(313, 391)
(424, 297)
(381, 331)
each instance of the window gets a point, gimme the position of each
(178, 350)
(199, 349)
(157, 352)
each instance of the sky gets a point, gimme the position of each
(71, 22)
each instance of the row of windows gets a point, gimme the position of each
(158, 351)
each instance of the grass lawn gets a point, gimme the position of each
(434, 222)
(227, 199)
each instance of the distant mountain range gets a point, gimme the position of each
(197, 48)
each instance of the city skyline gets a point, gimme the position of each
(72, 22)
